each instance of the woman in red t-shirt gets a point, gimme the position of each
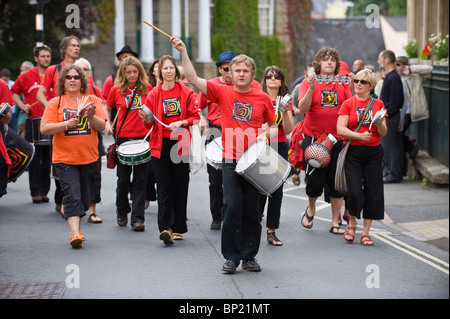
(320, 102)
(274, 84)
(127, 95)
(363, 163)
(175, 108)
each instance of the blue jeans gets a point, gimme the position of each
(241, 229)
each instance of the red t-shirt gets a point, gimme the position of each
(133, 126)
(354, 108)
(325, 104)
(28, 83)
(171, 108)
(51, 78)
(213, 115)
(106, 88)
(243, 114)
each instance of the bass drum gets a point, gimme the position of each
(20, 152)
(214, 152)
(263, 167)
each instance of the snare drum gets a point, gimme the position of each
(263, 167)
(20, 152)
(37, 137)
(213, 153)
(134, 152)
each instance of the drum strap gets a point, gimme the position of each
(126, 114)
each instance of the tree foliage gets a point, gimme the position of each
(18, 30)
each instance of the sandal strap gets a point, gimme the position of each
(271, 238)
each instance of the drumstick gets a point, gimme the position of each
(34, 103)
(148, 134)
(115, 118)
(160, 31)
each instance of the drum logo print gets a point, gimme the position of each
(329, 99)
(135, 103)
(18, 159)
(171, 107)
(242, 112)
(368, 119)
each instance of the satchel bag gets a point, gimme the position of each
(111, 152)
(340, 180)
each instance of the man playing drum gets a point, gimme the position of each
(5, 117)
(244, 110)
(28, 83)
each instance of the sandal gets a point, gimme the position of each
(177, 236)
(336, 230)
(76, 240)
(309, 218)
(273, 239)
(349, 236)
(93, 218)
(296, 180)
(366, 240)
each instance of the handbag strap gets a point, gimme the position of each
(126, 114)
(366, 110)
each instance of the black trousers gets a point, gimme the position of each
(275, 199)
(241, 229)
(39, 169)
(364, 173)
(131, 179)
(172, 184)
(74, 181)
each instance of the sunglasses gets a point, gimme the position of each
(70, 77)
(398, 64)
(276, 76)
(226, 69)
(363, 82)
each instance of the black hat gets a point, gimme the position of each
(127, 49)
(225, 57)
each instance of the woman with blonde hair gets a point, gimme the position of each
(128, 94)
(363, 163)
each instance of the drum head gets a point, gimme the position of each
(135, 147)
(250, 157)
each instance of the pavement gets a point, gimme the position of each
(410, 254)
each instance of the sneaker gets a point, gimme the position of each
(36, 199)
(167, 237)
(230, 266)
(251, 265)
(138, 226)
(122, 220)
(216, 225)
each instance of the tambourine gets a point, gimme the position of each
(83, 111)
(4, 109)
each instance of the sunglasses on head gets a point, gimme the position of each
(363, 82)
(276, 76)
(226, 69)
(70, 77)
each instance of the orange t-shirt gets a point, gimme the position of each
(77, 146)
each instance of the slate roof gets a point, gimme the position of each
(350, 37)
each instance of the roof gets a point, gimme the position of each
(351, 37)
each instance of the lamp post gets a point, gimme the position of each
(39, 20)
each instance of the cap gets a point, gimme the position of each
(127, 49)
(225, 57)
(343, 69)
(402, 59)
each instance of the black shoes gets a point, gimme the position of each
(122, 220)
(251, 265)
(216, 225)
(230, 266)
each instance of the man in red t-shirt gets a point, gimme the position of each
(5, 161)
(69, 49)
(244, 110)
(28, 83)
(213, 122)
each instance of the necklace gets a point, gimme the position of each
(131, 90)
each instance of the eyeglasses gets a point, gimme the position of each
(398, 64)
(70, 77)
(276, 76)
(363, 82)
(226, 69)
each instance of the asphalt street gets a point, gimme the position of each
(116, 262)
